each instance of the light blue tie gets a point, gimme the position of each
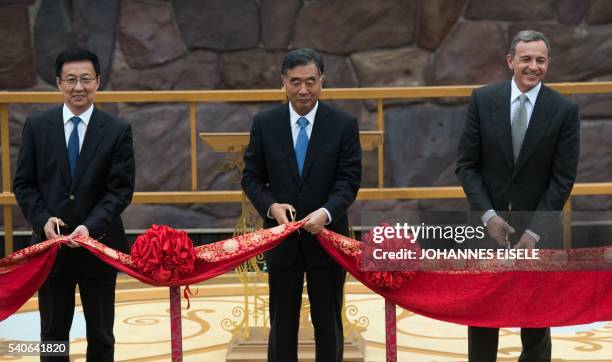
(301, 144)
(73, 146)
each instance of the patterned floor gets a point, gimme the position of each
(142, 329)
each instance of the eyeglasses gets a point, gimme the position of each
(72, 82)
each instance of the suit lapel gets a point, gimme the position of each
(93, 136)
(538, 124)
(317, 137)
(285, 137)
(57, 140)
(501, 117)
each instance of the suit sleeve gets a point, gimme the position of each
(25, 184)
(348, 177)
(469, 162)
(255, 182)
(564, 169)
(119, 186)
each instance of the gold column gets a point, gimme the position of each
(194, 152)
(381, 156)
(6, 178)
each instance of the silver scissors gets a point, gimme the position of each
(57, 227)
(292, 214)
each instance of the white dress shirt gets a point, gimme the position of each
(82, 126)
(295, 127)
(532, 95)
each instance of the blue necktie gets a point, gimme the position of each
(301, 144)
(73, 146)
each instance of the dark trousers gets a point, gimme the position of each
(482, 344)
(325, 295)
(56, 305)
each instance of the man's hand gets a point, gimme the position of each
(80, 230)
(315, 221)
(499, 229)
(526, 242)
(51, 229)
(279, 212)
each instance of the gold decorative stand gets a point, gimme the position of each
(249, 322)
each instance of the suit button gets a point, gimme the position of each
(71, 197)
(300, 194)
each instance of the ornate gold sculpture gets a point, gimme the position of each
(253, 313)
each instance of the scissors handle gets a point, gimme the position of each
(292, 214)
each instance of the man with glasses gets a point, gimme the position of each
(75, 176)
(303, 158)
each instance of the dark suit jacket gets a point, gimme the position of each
(544, 174)
(330, 177)
(103, 184)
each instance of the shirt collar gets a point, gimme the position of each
(85, 116)
(532, 94)
(310, 116)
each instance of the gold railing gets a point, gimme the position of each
(7, 199)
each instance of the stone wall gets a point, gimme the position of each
(238, 44)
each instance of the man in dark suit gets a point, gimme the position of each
(75, 176)
(519, 152)
(303, 157)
